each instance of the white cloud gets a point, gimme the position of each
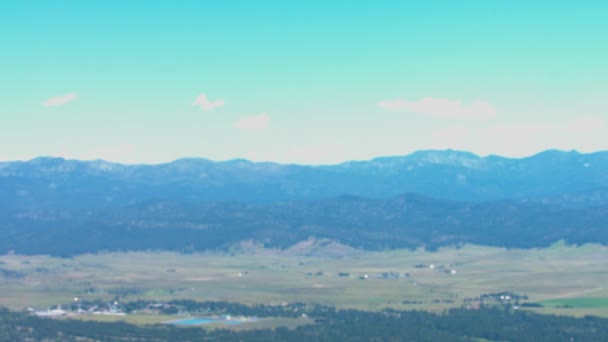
(446, 108)
(205, 104)
(253, 123)
(60, 100)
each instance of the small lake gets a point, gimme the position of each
(207, 320)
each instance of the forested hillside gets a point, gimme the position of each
(407, 221)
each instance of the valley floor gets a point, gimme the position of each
(565, 280)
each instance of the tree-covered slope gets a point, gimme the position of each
(406, 221)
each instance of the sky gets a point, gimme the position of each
(311, 82)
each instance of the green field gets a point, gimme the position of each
(556, 277)
(577, 302)
(575, 306)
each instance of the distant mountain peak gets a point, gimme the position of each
(447, 157)
(190, 161)
(102, 165)
(46, 160)
(426, 157)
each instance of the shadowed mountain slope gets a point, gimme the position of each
(406, 221)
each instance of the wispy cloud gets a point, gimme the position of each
(253, 123)
(60, 100)
(205, 104)
(446, 108)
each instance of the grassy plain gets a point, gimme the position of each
(566, 280)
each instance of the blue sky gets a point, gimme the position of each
(300, 81)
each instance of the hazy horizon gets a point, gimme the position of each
(305, 164)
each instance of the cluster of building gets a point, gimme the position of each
(111, 308)
(449, 269)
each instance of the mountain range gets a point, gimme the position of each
(555, 177)
(426, 199)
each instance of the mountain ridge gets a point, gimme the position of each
(547, 176)
(415, 154)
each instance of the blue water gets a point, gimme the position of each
(206, 320)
